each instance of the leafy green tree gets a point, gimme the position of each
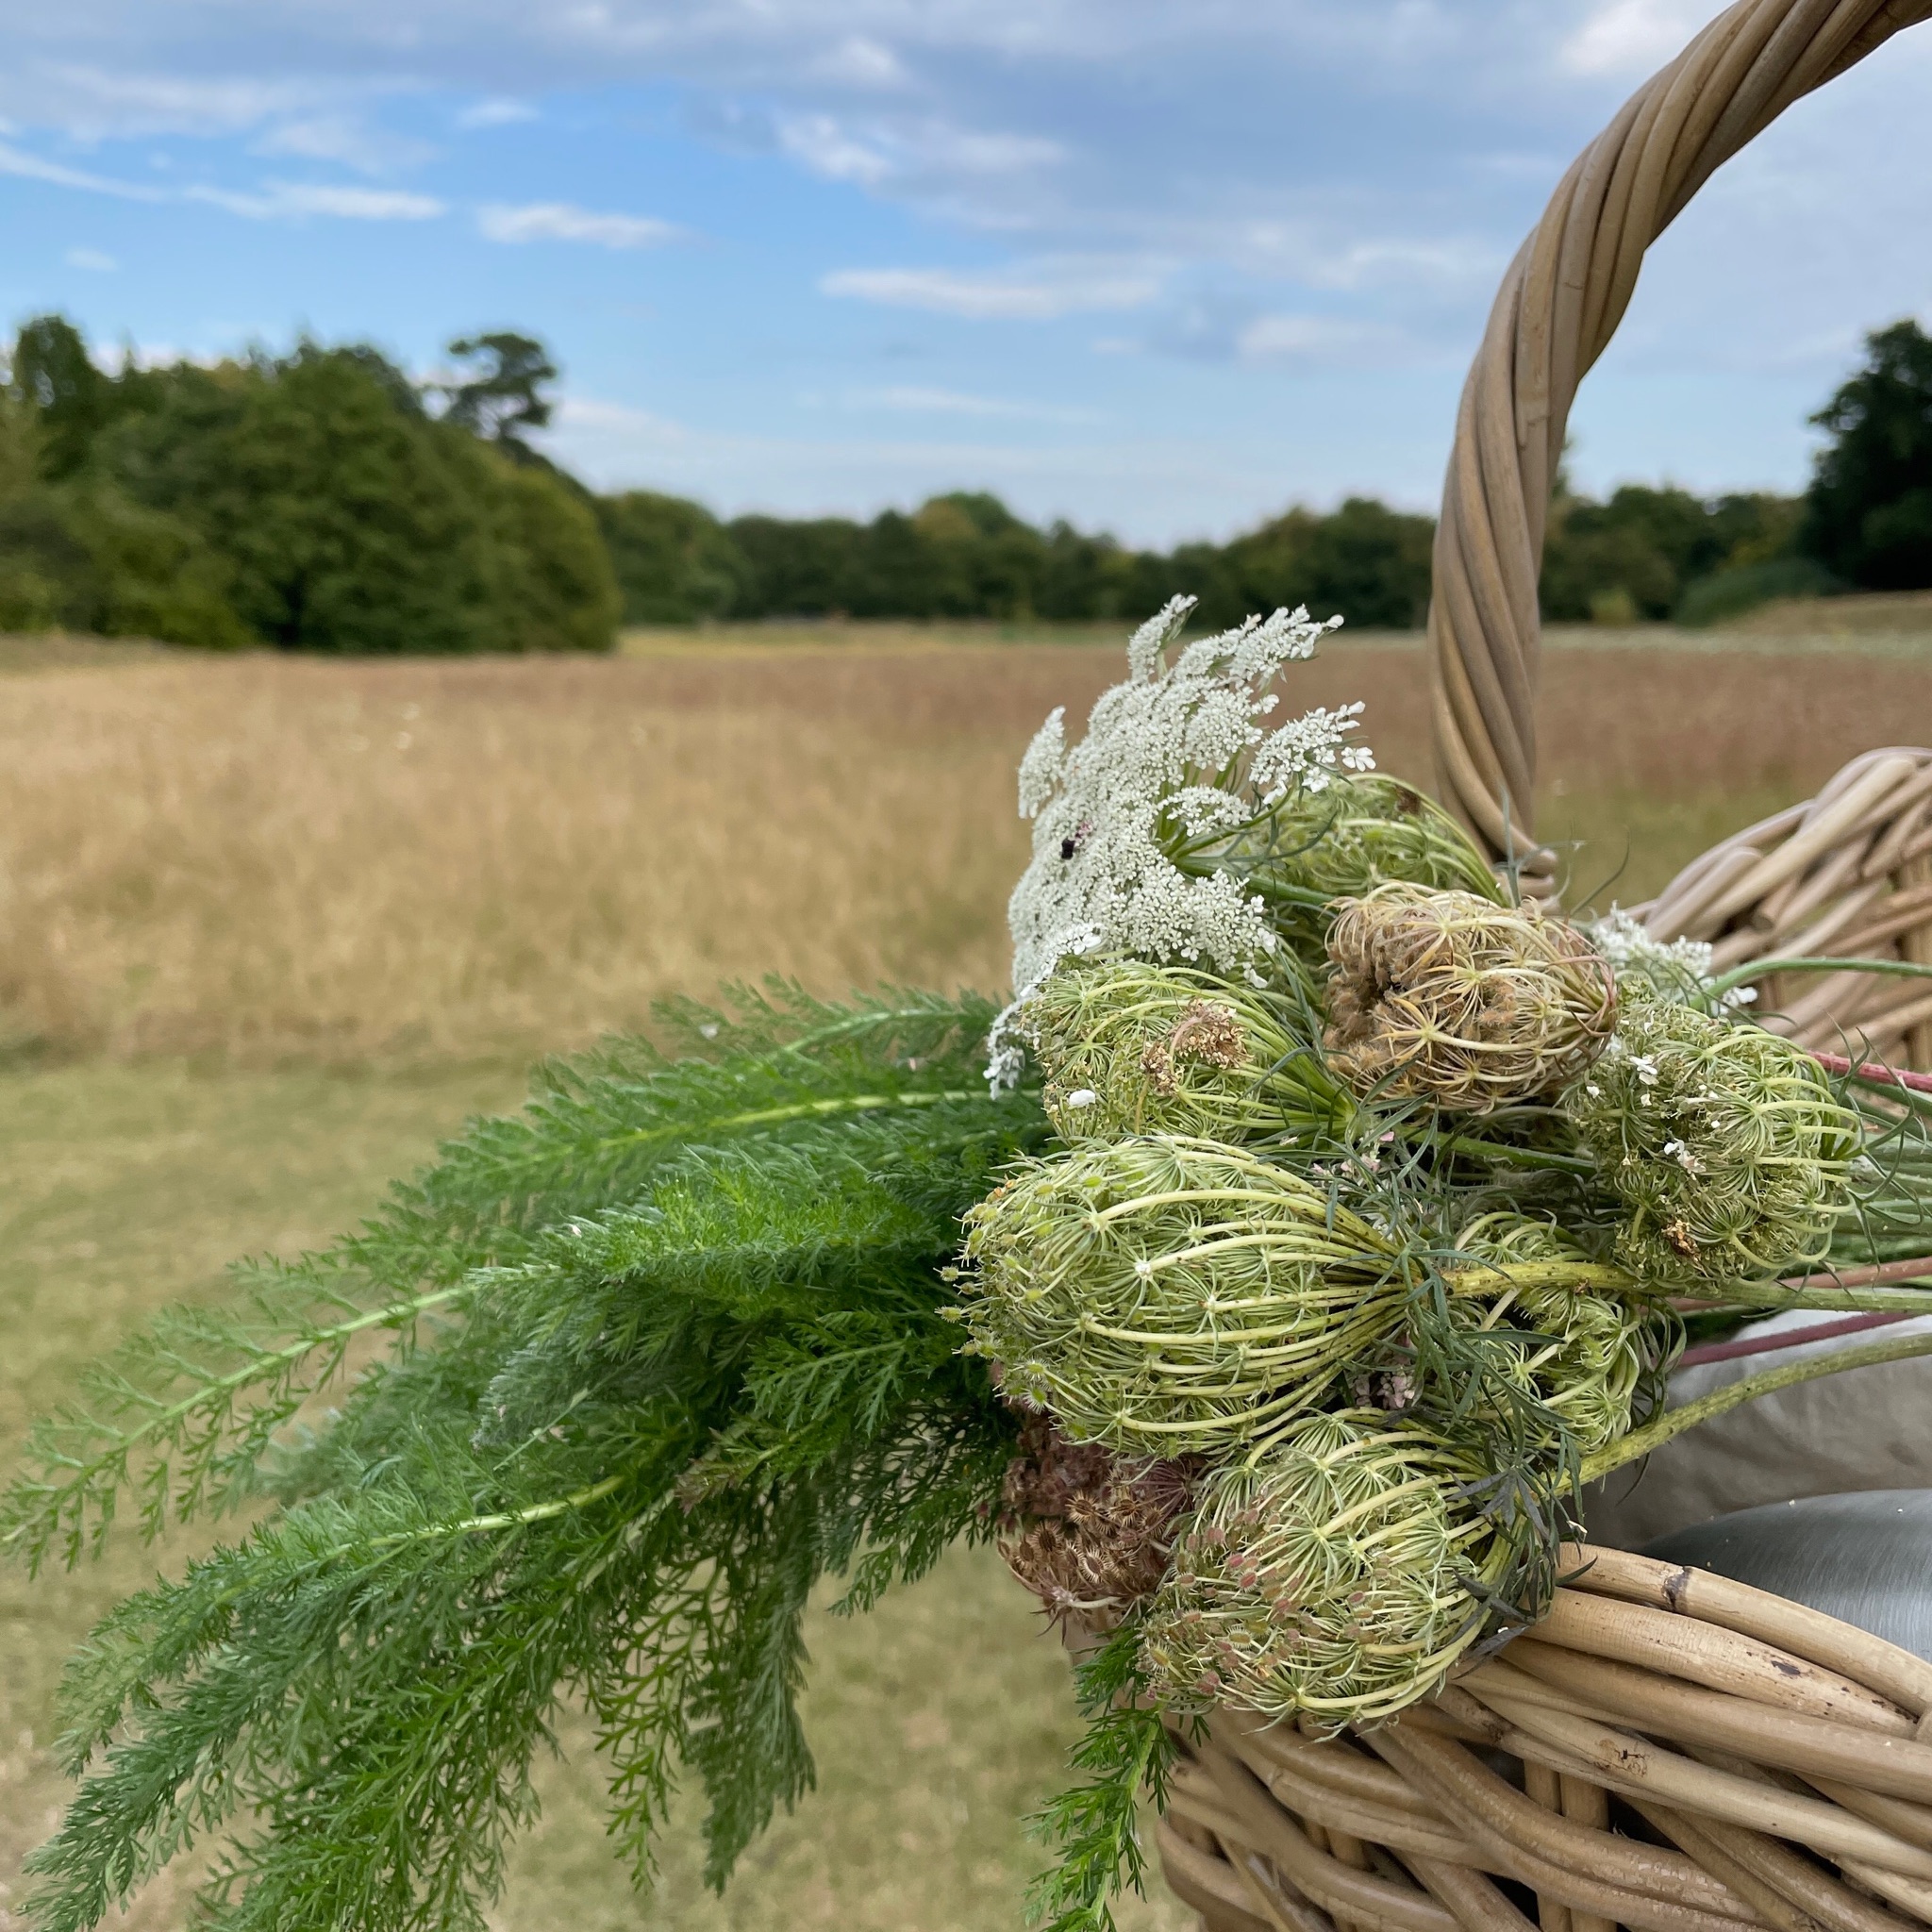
(54, 374)
(353, 522)
(1868, 513)
(502, 395)
(1635, 557)
(558, 592)
(675, 563)
(1364, 560)
(798, 568)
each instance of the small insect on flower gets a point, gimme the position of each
(1441, 997)
(1175, 756)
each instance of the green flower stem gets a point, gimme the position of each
(1673, 1423)
(800, 1110)
(1521, 1275)
(1761, 969)
(1772, 1297)
(1495, 1150)
(514, 1519)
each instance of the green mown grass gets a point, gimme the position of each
(939, 1722)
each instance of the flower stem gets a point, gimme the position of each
(1673, 1423)
(1760, 969)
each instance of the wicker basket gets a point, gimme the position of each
(1850, 871)
(1667, 1750)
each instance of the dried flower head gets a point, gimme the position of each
(1166, 1294)
(1724, 1141)
(1132, 1048)
(1444, 997)
(1335, 1575)
(1176, 756)
(1085, 1530)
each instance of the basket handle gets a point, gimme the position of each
(1557, 310)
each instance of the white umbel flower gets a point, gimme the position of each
(1178, 752)
(1674, 971)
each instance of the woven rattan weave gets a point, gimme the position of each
(1668, 1750)
(1851, 872)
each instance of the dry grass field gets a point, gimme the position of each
(268, 928)
(268, 861)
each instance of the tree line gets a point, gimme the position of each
(323, 500)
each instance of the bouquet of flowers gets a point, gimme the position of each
(1265, 1280)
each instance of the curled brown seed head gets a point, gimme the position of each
(1444, 997)
(1084, 1529)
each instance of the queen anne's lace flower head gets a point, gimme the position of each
(1178, 753)
(1674, 971)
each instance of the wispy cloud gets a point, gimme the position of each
(98, 102)
(912, 399)
(1320, 339)
(346, 139)
(498, 111)
(860, 62)
(1631, 37)
(30, 167)
(279, 200)
(562, 221)
(92, 259)
(1042, 292)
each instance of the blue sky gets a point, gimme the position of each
(1163, 266)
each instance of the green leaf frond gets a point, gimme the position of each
(181, 1416)
(682, 1389)
(1126, 1753)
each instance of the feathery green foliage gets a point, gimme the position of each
(1127, 1752)
(667, 1350)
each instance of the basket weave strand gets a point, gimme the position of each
(1668, 1750)
(1557, 308)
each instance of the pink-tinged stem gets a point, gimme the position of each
(1789, 1337)
(1875, 1070)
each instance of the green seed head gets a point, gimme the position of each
(1132, 1048)
(1167, 1294)
(1327, 1577)
(1723, 1142)
(1582, 1355)
(1342, 841)
(1447, 998)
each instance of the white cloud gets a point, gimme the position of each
(96, 103)
(824, 146)
(14, 160)
(92, 259)
(1041, 292)
(347, 139)
(859, 61)
(1319, 339)
(1632, 37)
(911, 399)
(495, 112)
(280, 200)
(561, 221)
